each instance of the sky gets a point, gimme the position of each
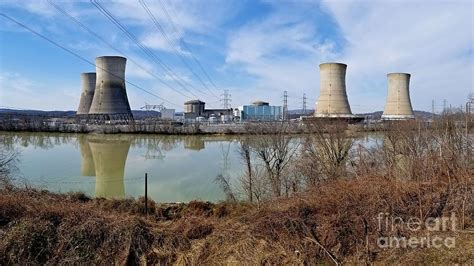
(188, 49)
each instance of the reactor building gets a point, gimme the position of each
(332, 101)
(195, 110)
(88, 88)
(110, 101)
(398, 105)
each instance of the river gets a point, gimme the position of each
(180, 168)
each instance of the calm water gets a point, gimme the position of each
(180, 168)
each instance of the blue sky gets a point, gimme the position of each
(254, 49)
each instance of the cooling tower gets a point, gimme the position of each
(332, 101)
(109, 160)
(88, 88)
(87, 162)
(110, 98)
(398, 105)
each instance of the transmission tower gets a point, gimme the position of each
(149, 107)
(304, 103)
(285, 105)
(226, 99)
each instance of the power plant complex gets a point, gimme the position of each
(333, 101)
(104, 98)
(104, 95)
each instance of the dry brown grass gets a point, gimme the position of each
(332, 221)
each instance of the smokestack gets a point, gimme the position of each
(88, 88)
(110, 98)
(332, 101)
(398, 105)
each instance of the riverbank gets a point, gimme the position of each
(338, 221)
(175, 128)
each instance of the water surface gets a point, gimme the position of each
(180, 168)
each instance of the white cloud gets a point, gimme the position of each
(19, 92)
(432, 41)
(282, 52)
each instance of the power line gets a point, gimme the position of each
(177, 52)
(186, 46)
(64, 12)
(80, 57)
(147, 51)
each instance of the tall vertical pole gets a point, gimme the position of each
(146, 193)
(285, 105)
(432, 109)
(304, 104)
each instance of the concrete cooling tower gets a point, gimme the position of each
(88, 88)
(110, 98)
(332, 101)
(109, 157)
(398, 105)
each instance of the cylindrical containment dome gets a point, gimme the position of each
(194, 106)
(332, 101)
(110, 97)
(398, 105)
(87, 94)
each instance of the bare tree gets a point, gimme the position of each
(327, 152)
(8, 166)
(275, 149)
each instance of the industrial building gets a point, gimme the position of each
(110, 101)
(195, 110)
(259, 111)
(332, 101)
(398, 105)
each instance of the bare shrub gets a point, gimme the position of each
(274, 149)
(326, 153)
(8, 166)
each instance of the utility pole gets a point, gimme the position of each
(285, 105)
(226, 99)
(444, 105)
(304, 104)
(146, 194)
(432, 109)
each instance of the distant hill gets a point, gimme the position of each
(137, 114)
(378, 114)
(373, 115)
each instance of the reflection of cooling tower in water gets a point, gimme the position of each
(110, 98)
(194, 143)
(87, 162)
(88, 88)
(109, 159)
(398, 105)
(332, 101)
